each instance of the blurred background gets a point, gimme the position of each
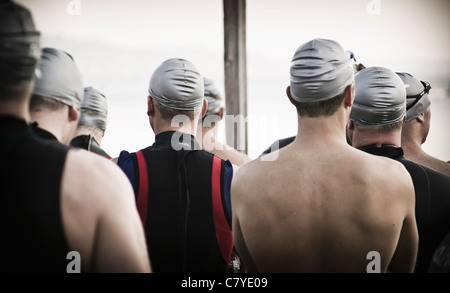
(118, 44)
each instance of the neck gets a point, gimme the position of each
(314, 130)
(17, 109)
(367, 137)
(187, 126)
(53, 122)
(87, 130)
(412, 138)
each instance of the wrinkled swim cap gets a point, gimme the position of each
(19, 44)
(417, 100)
(213, 96)
(94, 109)
(320, 70)
(59, 78)
(380, 97)
(177, 84)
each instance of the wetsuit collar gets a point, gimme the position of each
(84, 140)
(12, 131)
(41, 133)
(11, 126)
(12, 122)
(88, 142)
(385, 150)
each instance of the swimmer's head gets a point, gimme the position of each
(213, 96)
(59, 78)
(94, 109)
(19, 44)
(177, 84)
(417, 100)
(380, 97)
(320, 70)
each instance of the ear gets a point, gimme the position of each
(204, 107)
(288, 93)
(221, 112)
(150, 106)
(73, 114)
(349, 95)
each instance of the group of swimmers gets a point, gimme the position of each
(354, 181)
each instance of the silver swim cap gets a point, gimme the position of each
(94, 110)
(320, 70)
(380, 97)
(19, 44)
(213, 96)
(177, 84)
(59, 78)
(417, 100)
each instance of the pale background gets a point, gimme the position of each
(118, 44)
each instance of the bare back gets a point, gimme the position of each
(99, 215)
(323, 210)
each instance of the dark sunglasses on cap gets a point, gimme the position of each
(426, 90)
(352, 55)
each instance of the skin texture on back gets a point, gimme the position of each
(322, 209)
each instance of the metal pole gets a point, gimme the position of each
(235, 61)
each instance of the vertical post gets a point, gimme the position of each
(235, 61)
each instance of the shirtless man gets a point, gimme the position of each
(207, 132)
(375, 127)
(55, 200)
(418, 116)
(321, 206)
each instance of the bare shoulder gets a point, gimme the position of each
(251, 179)
(376, 163)
(399, 177)
(100, 216)
(386, 173)
(90, 175)
(92, 165)
(393, 170)
(250, 170)
(435, 163)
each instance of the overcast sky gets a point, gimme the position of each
(380, 32)
(118, 44)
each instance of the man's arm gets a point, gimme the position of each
(404, 258)
(248, 265)
(100, 217)
(239, 243)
